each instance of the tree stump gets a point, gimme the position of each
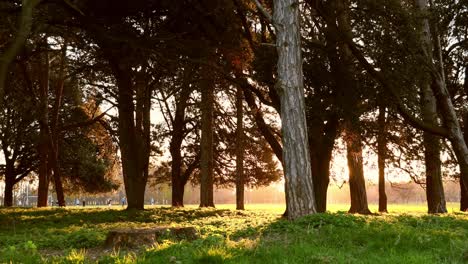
(133, 238)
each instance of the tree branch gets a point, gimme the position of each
(264, 12)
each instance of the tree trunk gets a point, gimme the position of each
(206, 146)
(44, 136)
(54, 161)
(178, 132)
(434, 186)
(43, 188)
(444, 102)
(357, 184)
(240, 182)
(9, 185)
(300, 196)
(322, 140)
(55, 133)
(133, 146)
(321, 177)
(463, 182)
(381, 156)
(177, 193)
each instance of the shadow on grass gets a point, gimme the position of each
(332, 238)
(253, 237)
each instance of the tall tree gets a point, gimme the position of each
(207, 84)
(300, 197)
(434, 186)
(381, 156)
(18, 135)
(180, 170)
(43, 118)
(240, 182)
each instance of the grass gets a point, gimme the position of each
(257, 235)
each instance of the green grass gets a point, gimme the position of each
(257, 235)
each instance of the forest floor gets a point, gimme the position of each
(256, 235)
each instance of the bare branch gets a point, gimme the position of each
(264, 12)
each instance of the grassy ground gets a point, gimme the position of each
(257, 235)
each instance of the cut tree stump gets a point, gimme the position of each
(133, 238)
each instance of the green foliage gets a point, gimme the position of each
(226, 236)
(25, 253)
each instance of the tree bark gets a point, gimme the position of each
(206, 146)
(463, 181)
(55, 133)
(321, 139)
(178, 127)
(9, 185)
(44, 135)
(434, 186)
(300, 196)
(43, 188)
(240, 181)
(381, 156)
(357, 184)
(133, 137)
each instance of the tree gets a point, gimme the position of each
(240, 181)
(451, 128)
(300, 197)
(18, 135)
(181, 167)
(207, 84)
(434, 186)
(381, 156)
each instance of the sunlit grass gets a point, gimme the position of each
(257, 235)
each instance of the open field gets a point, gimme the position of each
(257, 235)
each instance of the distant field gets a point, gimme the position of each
(257, 235)
(392, 208)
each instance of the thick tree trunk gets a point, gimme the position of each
(240, 181)
(133, 144)
(444, 102)
(9, 185)
(43, 188)
(176, 181)
(453, 126)
(357, 184)
(434, 186)
(321, 176)
(206, 146)
(322, 140)
(463, 183)
(178, 189)
(463, 196)
(382, 153)
(300, 196)
(54, 161)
